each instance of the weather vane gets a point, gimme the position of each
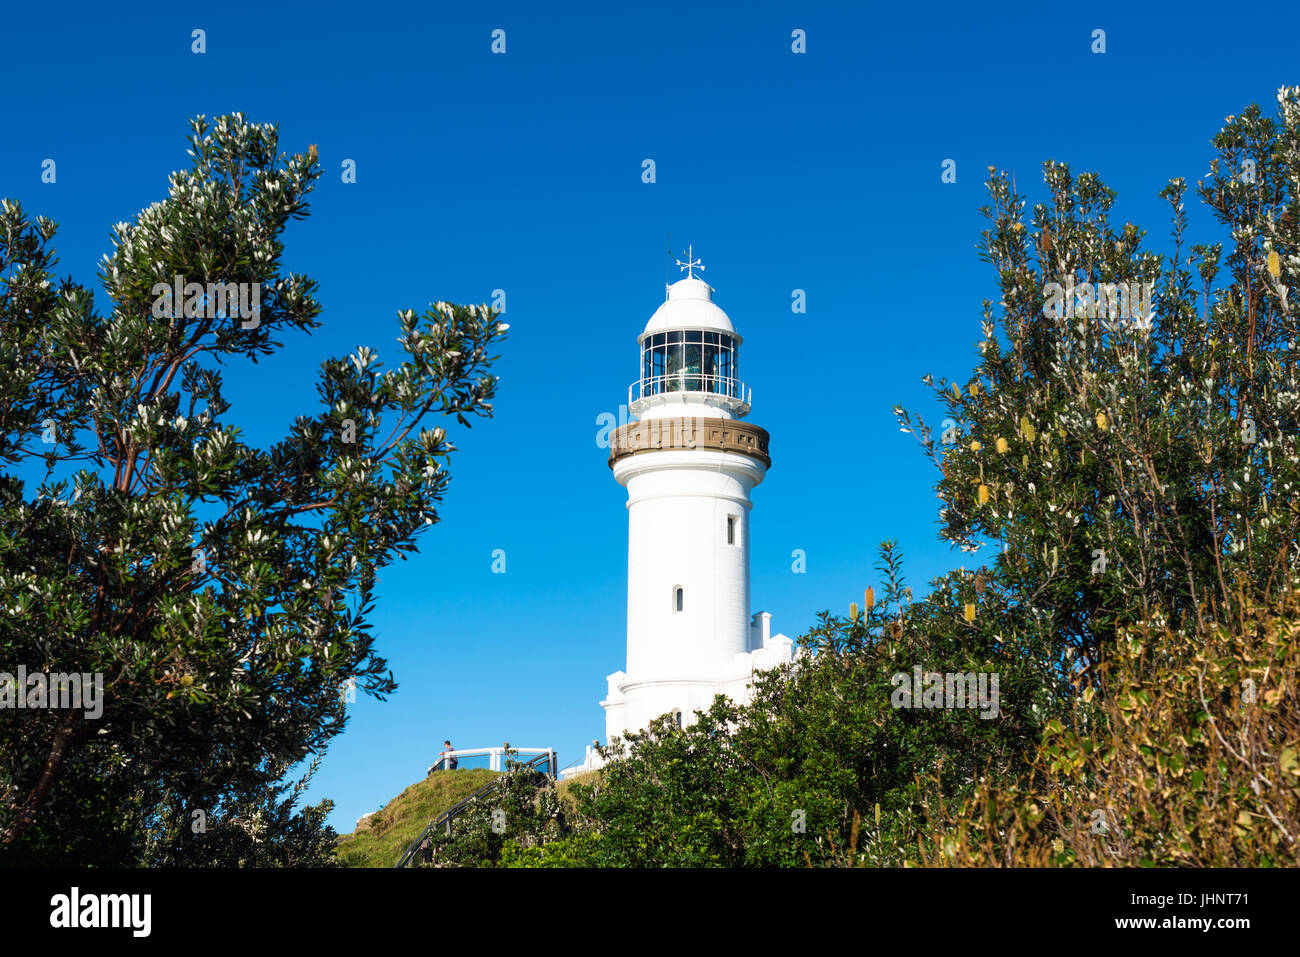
(691, 263)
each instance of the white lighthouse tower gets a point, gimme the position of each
(689, 465)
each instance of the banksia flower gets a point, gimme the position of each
(869, 598)
(1026, 429)
(975, 446)
(970, 611)
(1102, 421)
(974, 389)
(853, 611)
(1274, 264)
(1002, 444)
(984, 494)
(1025, 461)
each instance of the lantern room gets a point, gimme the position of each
(690, 355)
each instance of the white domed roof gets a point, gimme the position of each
(689, 306)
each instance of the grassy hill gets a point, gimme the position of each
(563, 788)
(381, 839)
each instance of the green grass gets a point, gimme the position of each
(381, 840)
(563, 788)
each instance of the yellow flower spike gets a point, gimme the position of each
(853, 611)
(1061, 431)
(187, 680)
(1002, 444)
(869, 597)
(1274, 264)
(974, 389)
(1025, 461)
(970, 611)
(956, 390)
(975, 446)
(984, 494)
(1026, 429)
(1102, 421)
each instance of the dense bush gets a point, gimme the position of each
(1190, 759)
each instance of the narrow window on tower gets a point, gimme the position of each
(677, 717)
(731, 529)
(677, 598)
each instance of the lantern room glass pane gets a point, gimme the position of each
(676, 365)
(692, 382)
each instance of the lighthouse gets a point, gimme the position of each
(690, 464)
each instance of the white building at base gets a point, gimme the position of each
(689, 465)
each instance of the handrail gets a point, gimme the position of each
(494, 755)
(706, 384)
(444, 819)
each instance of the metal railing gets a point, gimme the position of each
(721, 385)
(544, 763)
(495, 756)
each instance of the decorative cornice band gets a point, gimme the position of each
(689, 432)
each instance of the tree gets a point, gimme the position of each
(223, 591)
(1141, 469)
(1138, 462)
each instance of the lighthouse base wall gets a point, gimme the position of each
(633, 702)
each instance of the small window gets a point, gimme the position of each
(677, 598)
(731, 529)
(677, 717)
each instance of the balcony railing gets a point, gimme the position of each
(495, 758)
(718, 385)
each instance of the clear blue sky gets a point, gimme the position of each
(523, 172)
